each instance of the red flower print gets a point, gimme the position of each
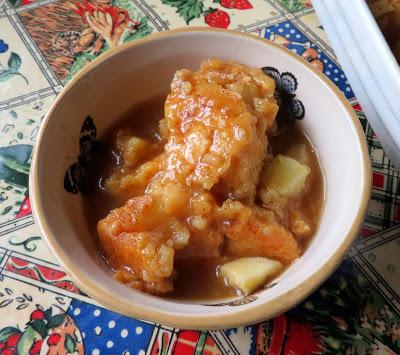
(37, 314)
(302, 340)
(53, 339)
(52, 326)
(12, 341)
(35, 348)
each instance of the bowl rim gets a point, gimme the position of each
(237, 316)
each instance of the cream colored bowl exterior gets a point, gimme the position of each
(136, 71)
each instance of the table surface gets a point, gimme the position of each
(42, 45)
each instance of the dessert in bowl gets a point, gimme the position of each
(226, 207)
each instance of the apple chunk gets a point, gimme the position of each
(248, 274)
(285, 175)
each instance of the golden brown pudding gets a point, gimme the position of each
(192, 188)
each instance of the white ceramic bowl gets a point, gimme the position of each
(136, 71)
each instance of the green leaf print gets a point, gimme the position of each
(14, 62)
(6, 210)
(70, 344)
(187, 9)
(293, 5)
(20, 135)
(15, 164)
(56, 321)
(142, 31)
(80, 61)
(27, 339)
(39, 325)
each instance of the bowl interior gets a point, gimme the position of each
(142, 70)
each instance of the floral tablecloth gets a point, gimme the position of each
(43, 43)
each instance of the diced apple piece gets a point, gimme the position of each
(248, 274)
(285, 175)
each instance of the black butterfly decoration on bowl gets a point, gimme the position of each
(76, 176)
(290, 108)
